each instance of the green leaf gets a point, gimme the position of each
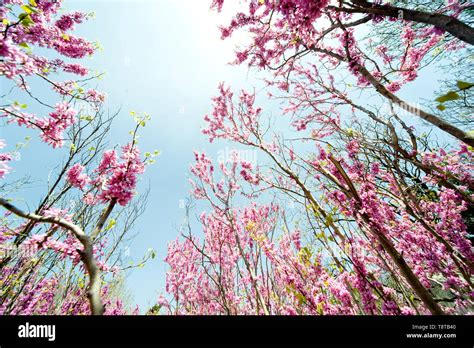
(24, 44)
(301, 298)
(304, 254)
(111, 224)
(462, 85)
(87, 118)
(152, 253)
(451, 95)
(28, 9)
(33, 3)
(329, 220)
(25, 19)
(320, 308)
(441, 107)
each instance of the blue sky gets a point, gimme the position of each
(163, 57)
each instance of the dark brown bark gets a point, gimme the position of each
(449, 24)
(410, 277)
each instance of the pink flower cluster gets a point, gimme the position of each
(67, 21)
(39, 296)
(38, 29)
(52, 128)
(233, 169)
(221, 123)
(115, 178)
(14, 61)
(67, 248)
(77, 178)
(121, 176)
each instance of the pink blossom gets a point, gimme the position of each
(76, 178)
(53, 128)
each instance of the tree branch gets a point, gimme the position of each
(449, 24)
(463, 136)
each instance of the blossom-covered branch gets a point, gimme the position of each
(87, 254)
